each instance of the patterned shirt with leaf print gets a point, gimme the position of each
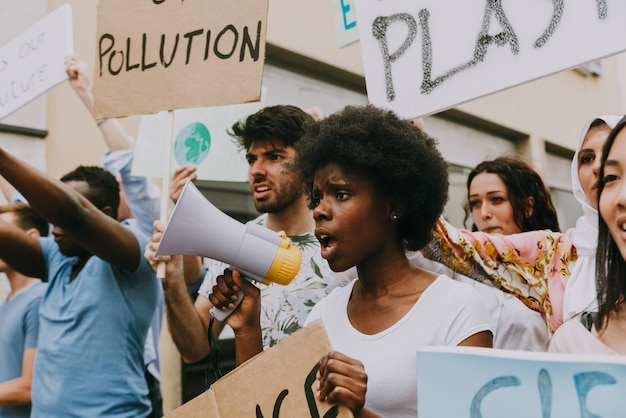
(285, 308)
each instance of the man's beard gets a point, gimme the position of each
(291, 195)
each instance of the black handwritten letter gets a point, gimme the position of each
(601, 9)
(162, 50)
(207, 44)
(101, 54)
(128, 66)
(218, 38)
(310, 397)
(145, 66)
(508, 36)
(111, 70)
(379, 30)
(557, 13)
(497, 383)
(254, 51)
(189, 36)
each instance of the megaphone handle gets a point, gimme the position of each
(222, 315)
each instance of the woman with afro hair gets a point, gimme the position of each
(377, 187)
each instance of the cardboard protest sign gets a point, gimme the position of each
(34, 61)
(165, 55)
(478, 382)
(200, 138)
(276, 383)
(421, 57)
(346, 31)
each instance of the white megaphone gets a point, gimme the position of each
(196, 227)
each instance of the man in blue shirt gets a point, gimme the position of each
(19, 320)
(101, 296)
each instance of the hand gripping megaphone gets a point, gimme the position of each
(196, 227)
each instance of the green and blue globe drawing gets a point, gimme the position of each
(192, 144)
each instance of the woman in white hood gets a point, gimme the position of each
(580, 291)
(551, 272)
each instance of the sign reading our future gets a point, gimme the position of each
(480, 382)
(34, 61)
(421, 57)
(154, 55)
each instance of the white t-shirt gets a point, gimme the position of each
(447, 313)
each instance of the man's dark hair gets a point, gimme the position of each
(104, 188)
(281, 122)
(402, 161)
(26, 217)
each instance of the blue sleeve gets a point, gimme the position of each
(31, 324)
(142, 195)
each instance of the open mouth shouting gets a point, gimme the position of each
(327, 242)
(261, 191)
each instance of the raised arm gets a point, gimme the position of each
(21, 251)
(115, 136)
(64, 207)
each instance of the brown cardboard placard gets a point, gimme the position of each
(276, 382)
(165, 55)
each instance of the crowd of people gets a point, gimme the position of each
(361, 193)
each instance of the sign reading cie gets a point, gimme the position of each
(498, 383)
(426, 56)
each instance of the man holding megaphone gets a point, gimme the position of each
(268, 137)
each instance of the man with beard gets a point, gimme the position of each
(268, 137)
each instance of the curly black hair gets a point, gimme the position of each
(402, 161)
(281, 122)
(104, 188)
(522, 182)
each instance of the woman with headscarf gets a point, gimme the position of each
(551, 272)
(602, 331)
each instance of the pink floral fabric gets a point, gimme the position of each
(534, 265)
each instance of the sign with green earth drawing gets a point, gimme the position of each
(192, 144)
(200, 138)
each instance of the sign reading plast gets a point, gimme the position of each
(421, 57)
(483, 383)
(34, 61)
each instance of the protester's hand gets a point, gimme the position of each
(77, 72)
(341, 379)
(174, 263)
(225, 293)
(180, 177)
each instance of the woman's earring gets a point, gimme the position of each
(394, 216)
